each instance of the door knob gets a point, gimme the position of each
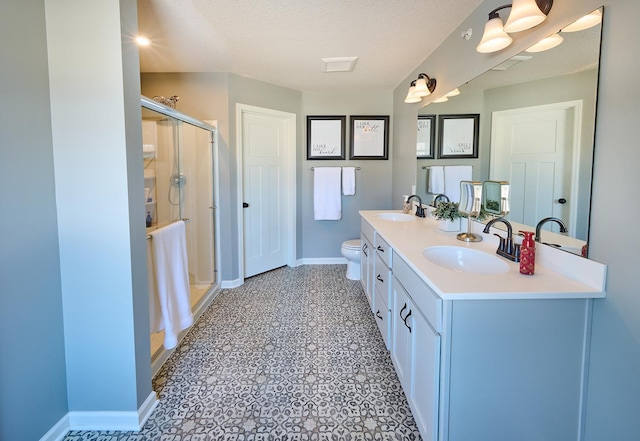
(245, 205)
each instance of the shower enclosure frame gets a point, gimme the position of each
(215, 288)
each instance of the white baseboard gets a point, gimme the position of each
(106, 420)
(58, 431)
(147, 408)
(114, 420)
(323, 261)
(230, 284)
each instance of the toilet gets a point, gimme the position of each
(351, 251)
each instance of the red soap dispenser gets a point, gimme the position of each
(527, 254)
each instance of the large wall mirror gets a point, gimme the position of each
(537, 123)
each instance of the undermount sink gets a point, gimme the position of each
(465, 260)
(396, 217)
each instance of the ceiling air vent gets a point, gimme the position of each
(512, 62)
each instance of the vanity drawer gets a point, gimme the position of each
(382, 279)
(382, 316)
(383, 250)
(423, 297)
(367, 230)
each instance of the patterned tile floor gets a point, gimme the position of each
(293, 354)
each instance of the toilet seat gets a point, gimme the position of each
(353, 244)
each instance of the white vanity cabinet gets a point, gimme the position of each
(489, 369)
(416, 348)
(484, 357)
(367, 261)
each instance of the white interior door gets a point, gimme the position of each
(266, 150)
(534, 149)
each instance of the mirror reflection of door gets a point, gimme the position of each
(534, 148)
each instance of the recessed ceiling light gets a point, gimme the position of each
(339, 64)
(143, 41)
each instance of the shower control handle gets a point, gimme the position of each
(245, 205)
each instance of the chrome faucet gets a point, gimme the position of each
(563, 227)
(419, 209)
(506, 248)
(437, 199)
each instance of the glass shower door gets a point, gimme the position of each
(179, 185)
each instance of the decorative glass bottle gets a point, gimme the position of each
(527, 254)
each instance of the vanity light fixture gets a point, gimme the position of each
(411, 97)
(454, 92)
(525, 14)
(442, 99)
(586, 22)
(424, 85)
(546, 43)
(420, 87)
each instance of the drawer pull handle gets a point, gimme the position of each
(380, 249)
(405, 321)
(403, 308)
(379, 278)
(378, 315)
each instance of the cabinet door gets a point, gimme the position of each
(371, 286)
(425, 369)
(402, 336)
(364, 268)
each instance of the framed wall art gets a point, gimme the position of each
(369, 137)
(326, 137)
(426, 146)
(458, 135)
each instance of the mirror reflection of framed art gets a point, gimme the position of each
(458, 136)
(425, 147)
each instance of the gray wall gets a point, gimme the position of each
(322, 239)
(33, 382)
(613, 400)
(95, 116)
(614, 389)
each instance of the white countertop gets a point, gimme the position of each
(409, 239)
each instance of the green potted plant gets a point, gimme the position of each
(448, 216)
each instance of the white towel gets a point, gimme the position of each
(436, 180)
(327, 200)
(170, 267)
(453, 174)
(348, 181)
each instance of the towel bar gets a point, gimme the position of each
(357, 168)
(186, 220)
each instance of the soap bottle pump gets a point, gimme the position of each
(149, 219)
(527, 254)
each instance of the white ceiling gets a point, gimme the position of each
(282, 42)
